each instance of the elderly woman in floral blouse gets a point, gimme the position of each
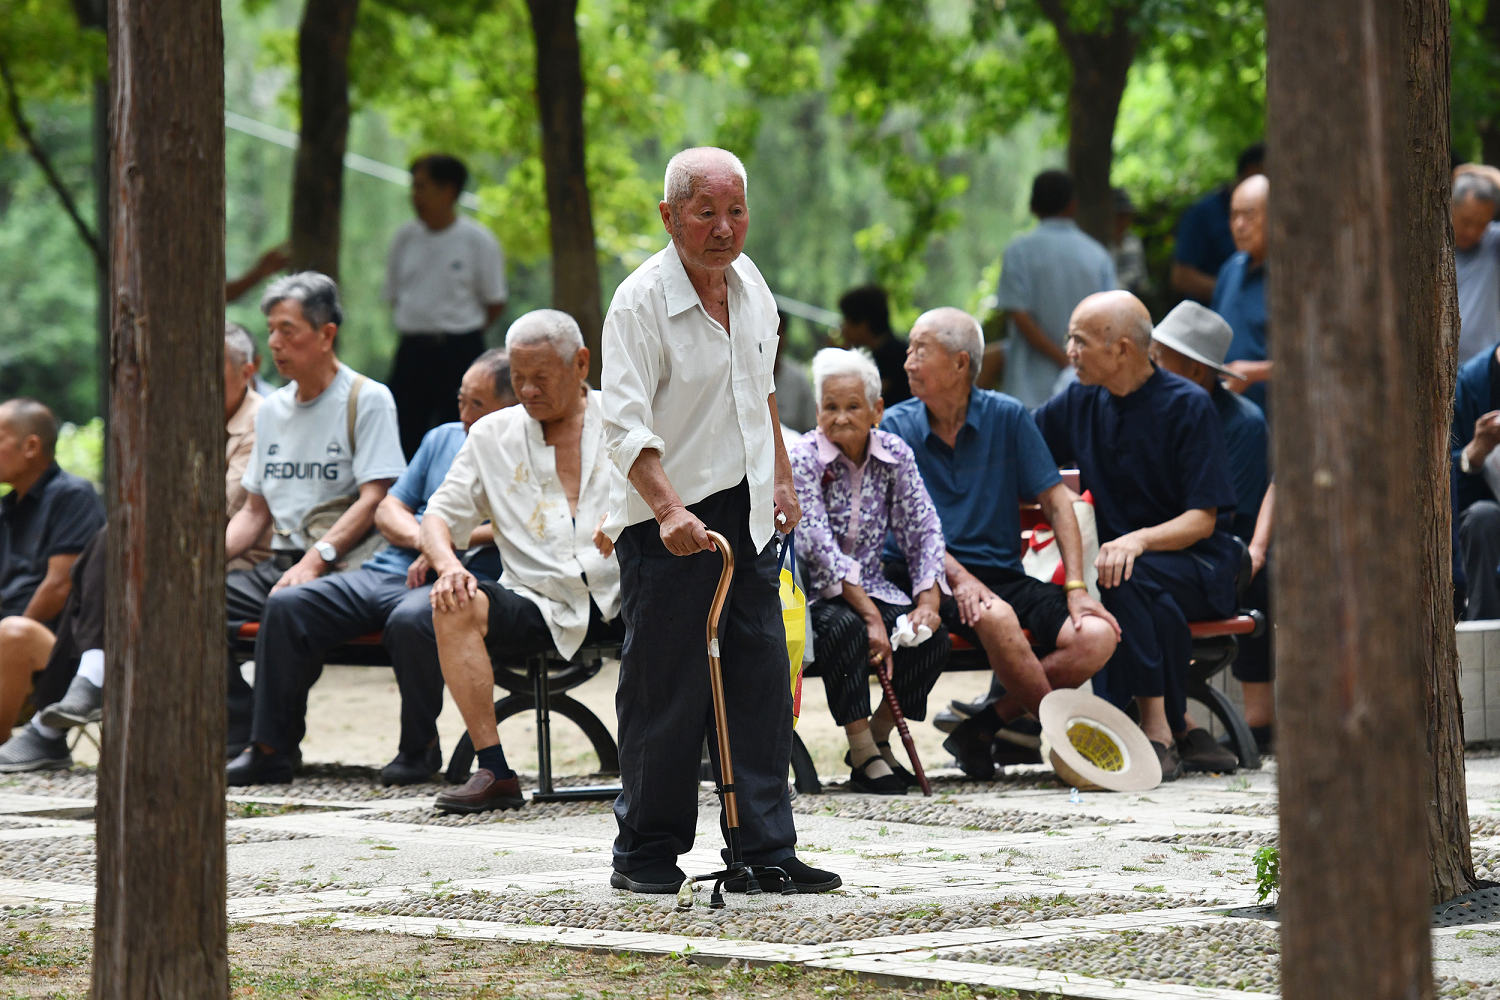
(855, 484)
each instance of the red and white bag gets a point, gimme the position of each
(1041, 559)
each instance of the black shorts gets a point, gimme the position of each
(1041, 607)
(518, 630)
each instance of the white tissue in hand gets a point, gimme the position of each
(905, 636)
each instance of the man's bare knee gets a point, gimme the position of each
(472, 618)
(998, 626)
(1091, 645)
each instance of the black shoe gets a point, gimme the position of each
(1201, 752)
(1023, 732)
(947, 720)
(1003, 753)
(1166, 756)
(803, 879)
(256, 767)
(886, 784)
(907, 778)
(969, 743)
(660, 878)
(413, 768)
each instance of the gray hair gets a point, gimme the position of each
(496, 363)
(316, 293)
(959, 332)
(689, 167)
(834, 362)
(239, 346)
(549, 326)
(1468, 186)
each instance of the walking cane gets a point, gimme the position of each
(737, 866)
(882, 670)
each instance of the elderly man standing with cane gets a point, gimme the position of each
(691, 424)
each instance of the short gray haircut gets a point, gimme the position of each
(1470, 186)
(834, 362)
(239, 346)
(959, 332)
(496, 363)
(546, 326)
(317, 293)
(691, 166)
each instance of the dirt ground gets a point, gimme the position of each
(316, 963)
(354, 714)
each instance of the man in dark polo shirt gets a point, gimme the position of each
(1148, 444)
(45, 521)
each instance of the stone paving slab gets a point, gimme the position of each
(998, 885)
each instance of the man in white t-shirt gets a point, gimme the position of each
(445, 281)
(304, 456)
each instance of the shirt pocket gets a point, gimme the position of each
(757, 364)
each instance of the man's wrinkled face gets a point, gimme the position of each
(297, 347)
(477, 396)
(1247, 221)
(1470, 218)
(546, 384)
(236, 380)
(1094, 355)
(932, 369)
(709, 227)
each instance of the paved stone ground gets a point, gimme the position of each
(1006, 885)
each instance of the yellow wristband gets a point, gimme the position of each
(1075, 585)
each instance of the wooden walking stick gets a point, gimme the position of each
(737, 866)
(882, 670)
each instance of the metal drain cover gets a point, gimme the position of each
(1479, 907)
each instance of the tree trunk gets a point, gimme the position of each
(159, 927)
(559, 98)
(1354, 636)
(318, 183)
(1430, 315)
(1101, 62)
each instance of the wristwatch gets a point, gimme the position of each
(329, 554)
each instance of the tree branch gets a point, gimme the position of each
(13, 102)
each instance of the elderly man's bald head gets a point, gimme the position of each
(1113, 315)
(1247, 216)
(691, 166)
(26, 417)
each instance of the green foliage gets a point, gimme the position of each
(80, 450)
(1267, 872)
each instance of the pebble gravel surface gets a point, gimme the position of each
(774, 921)
(938, 812)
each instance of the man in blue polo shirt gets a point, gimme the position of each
(1204, 241)
(1148, 444)
(1240, 295)
(45, 521)
(390, 592)
(980, 455)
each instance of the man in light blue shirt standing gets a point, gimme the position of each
(1043, 277)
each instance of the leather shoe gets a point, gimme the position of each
(804, 879)
(947, 720)
(413, 768)
(970, 744)
(481, 793)
(660, 878)
(1166, 756)
(256, 767)
(1201, 752)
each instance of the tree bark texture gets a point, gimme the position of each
(159, 929)
(1354, 599)
(559, 96)
(318, 182)
(1430, 316)
(1101, 61)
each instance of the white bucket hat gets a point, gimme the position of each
(1197, 332)
(1093, 745)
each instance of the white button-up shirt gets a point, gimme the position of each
(676, 382)
(506, 473)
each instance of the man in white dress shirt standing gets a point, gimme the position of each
(690, 422)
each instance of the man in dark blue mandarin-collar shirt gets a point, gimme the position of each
(45, 522)
(980, 455)
(1148, 444)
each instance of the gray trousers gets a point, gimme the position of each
(1479, 542)
(664, 702)
(301, 624)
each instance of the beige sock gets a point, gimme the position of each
(880, 732)
(861, 749)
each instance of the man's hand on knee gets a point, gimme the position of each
(1081, 606)
(454, 589)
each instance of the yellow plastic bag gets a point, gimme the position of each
(794, 619)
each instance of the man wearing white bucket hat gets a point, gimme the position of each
(1192, 342)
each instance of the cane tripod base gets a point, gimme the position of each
(752, 874)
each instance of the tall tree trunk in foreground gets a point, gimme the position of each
(318, 182)
(1429, 316)
(159, 929)
(1101, 59)
(1353, 429)
(559, 98)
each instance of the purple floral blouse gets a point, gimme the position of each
(847, 510)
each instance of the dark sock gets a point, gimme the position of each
(492, 759)
(989, 720)
(1262, 734)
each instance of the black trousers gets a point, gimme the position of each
(664, 702)
(1254, 662)
(79, 628)
(424, 381)
(299, 625)
(841, 649)
(245, 593)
